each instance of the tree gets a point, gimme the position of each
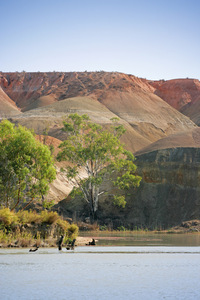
(100, 154)
(26, 166)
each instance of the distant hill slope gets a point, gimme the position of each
(186, 139)
(182, 94)
(52, 116)
(45, 98)
(7, 106)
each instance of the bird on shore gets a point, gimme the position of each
(60, 242)
(93, 243)
(72, 245)
(33, 250)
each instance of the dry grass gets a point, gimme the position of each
(15, 233)
(28, 217)
(16, 239)
(7, 217)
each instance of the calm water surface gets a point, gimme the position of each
(144, 239)
(103, 272)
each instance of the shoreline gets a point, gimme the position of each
(86, 237)
(80, 241)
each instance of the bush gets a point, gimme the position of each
(7, 217)
(18, 239)
(103, 228)
(63, 225)
(28, 217)
(48, 204)
(24, 239)
(72, 231)
(121, 228)
(3, 236)
(25, 236)
(49, 217)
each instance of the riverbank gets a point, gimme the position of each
(31, 229)
(186, 227)
(117, 238)
(48, 243)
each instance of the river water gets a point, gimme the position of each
(104, 272)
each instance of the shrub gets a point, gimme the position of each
(25, 236)
(48, 204)
(7, 217)
(63, 225)
(72, 231)
(18, 239)
(121, 228)
(27, 217)
(49, 217)
(103, 228)
(3, 236)
(24, 239)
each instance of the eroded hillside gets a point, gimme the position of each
(45, 98)
(182, 94)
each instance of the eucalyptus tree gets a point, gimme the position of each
(101, 155)
(26, 166)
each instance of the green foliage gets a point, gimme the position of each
(28, 217)
(72, 231)
(7, 217)
(49, 217)
(99, 153)
(63, 225)
(119, 201)
(103, 227)
(21, 239)
(121, 228)
(11, 222)
(26, 166)
(48, 204)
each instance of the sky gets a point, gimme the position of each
(153, 39)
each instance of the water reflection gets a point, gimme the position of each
(144, 239)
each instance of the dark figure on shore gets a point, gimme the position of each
(33, 250)
(71, 245)
(92, 243)
(60, 242)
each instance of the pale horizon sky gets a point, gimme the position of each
(153, 39)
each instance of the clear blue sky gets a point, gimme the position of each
(153, 39)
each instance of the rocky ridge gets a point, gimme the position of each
(182, 94)
(45, 98)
